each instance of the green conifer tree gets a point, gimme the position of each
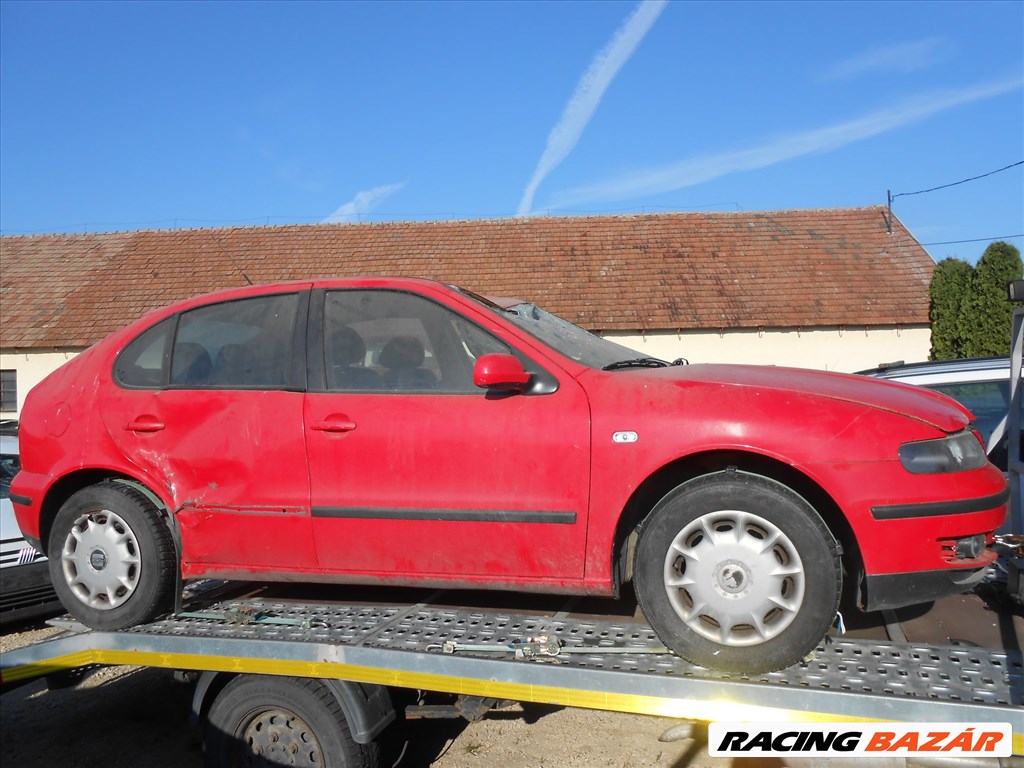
(950, 285)
(986, 312)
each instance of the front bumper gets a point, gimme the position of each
(905, 523)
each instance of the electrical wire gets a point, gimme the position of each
(978, 240)
(955, 183)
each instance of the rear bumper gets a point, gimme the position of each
(27, 493)
(895, 590)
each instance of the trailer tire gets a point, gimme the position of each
(111, 557)
(263, 720)
(738, 573)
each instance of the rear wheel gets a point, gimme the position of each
(111, 557)
(262, 720)
(736, 572)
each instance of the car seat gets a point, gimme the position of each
(345, 369)
(190, 365)
(402, 356)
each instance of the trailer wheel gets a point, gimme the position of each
(736, 572)
(261, 720)
(112, 559)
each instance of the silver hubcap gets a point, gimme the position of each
(734, 578)
(100, 560)
(280, 737)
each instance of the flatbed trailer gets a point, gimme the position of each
(359, 651)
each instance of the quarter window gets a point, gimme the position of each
(144, 361)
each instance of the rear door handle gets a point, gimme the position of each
(145, 424)
(335, 423)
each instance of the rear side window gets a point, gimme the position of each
(246, 343)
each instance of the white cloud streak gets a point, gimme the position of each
(903, 59)
(588, 94)
(698, 170)
(361, 204)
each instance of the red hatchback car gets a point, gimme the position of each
(395, 431)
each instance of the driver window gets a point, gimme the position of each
(391, 341)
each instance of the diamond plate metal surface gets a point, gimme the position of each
(920, 672)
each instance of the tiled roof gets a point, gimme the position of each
(671, 271)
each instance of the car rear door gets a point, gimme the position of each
(209, 404)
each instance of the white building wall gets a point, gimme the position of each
(31, 368)
(836, 349)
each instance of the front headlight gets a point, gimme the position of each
(957, 453)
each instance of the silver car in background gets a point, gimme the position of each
(25, 587)
(982, 384)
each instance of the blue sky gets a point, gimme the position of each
(122, 116)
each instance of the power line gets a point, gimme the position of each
(955, 183)
(979, 240)
(891, 196)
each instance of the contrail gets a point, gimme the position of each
(361, 204)
(697, 170)
(903, 58)
(585, 100)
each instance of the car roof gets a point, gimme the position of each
(8, 445)
(975, 366)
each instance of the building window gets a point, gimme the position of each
(8, 390)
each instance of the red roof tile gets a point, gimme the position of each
(689, 271)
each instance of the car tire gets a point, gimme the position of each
(738, 573)
(266, 720)
(112, 557)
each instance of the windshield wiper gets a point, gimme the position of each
(636, 362)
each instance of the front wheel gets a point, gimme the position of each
(262, 720)
(112, 558)
(736, 572)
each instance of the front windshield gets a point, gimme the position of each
(561, 335)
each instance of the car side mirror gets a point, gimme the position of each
(1015, 290)
(500, 372)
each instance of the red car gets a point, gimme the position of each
(394, 431)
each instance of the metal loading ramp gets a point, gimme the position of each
(598, 664)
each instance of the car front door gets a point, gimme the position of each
(209, 405)
(416, 473)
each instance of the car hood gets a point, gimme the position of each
(918, 403)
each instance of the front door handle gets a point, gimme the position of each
(335, 423)
(145, 424)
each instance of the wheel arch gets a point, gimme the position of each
(367, 707)
(674, 474)
(68, 485)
